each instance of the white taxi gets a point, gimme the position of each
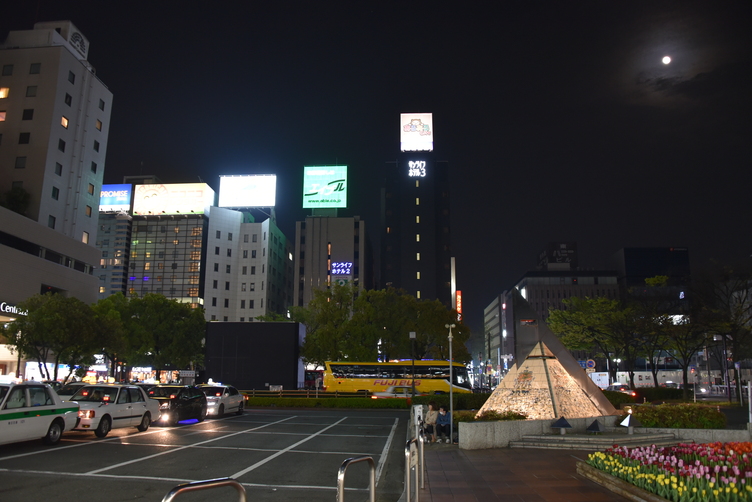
(110, 406)
(222, 399)
(32, 410)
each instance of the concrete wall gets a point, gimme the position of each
(482, 435)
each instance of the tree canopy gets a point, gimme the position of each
(375, 325)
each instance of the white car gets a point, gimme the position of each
(32, 410)
(110, 406)
(223, 399)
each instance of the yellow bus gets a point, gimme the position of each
(431, 377)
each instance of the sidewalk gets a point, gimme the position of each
(508, 474)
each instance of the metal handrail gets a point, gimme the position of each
(408, 468)
(203, 485)
(341, 477)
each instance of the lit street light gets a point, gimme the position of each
(451, 385)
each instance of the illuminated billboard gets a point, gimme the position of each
(175, 198)
(416, 132)
(324, 186)
(248, 190)
(115, 198)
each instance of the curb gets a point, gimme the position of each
(616, 485)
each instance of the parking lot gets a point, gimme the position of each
(276, 454)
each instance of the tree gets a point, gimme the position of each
(56, 329)
(325, 318)
(376, 325)
(601, 325)
(173, 332)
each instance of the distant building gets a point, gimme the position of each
(634, 265)
(330, 250)
(249, 268)
(114, 240)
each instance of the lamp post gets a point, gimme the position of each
(412, 339)
(451, 385)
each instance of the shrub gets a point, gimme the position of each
(618, 398)
(488, 416)
(327, 402)
(462, 401)
(652, 394)
(680, 416)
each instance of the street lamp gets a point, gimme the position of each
(451, 385)
(412, 339)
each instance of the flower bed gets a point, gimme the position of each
(686, 473)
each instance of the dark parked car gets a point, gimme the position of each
(179, 402)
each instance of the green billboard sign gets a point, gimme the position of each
(324, 186)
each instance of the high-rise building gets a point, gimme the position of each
(415, 213)
(54, 122)
(330, 250)
(248, 267)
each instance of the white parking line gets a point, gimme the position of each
(385, 451)
(179, 449)
(280, 452)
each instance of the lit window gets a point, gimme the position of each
(417, 295)
(85, 238)
(195, 255)
(193, 279)
(101, 289)
(147, 265)
(417, 183)
(417, 275)
(253, 286)
(417, 257)
(64, 122)
(192, 291)
(417, 219)
(196, 243)
(242, 286)
(194, 266)
(91, 189)
(99, 125)
(417, 201)
(4, 92)
(417, 237)
(88, 211)
(176, 242)
(2, 115)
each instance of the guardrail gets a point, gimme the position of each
(341, 477)
(205, 485)
(413, 462)
(302, 393)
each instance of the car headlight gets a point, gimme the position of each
(85, 413)
(164, 406)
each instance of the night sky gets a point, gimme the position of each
(559, 120)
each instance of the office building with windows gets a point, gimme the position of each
(249, 267)
(54, 122)
(415, 212)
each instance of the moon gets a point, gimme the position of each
(666, 60)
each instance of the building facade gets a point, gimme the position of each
(329, 249)
(249, 268)
(415, 233)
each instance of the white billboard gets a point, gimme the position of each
(252, 190)
(416, 132)
(174, 198)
